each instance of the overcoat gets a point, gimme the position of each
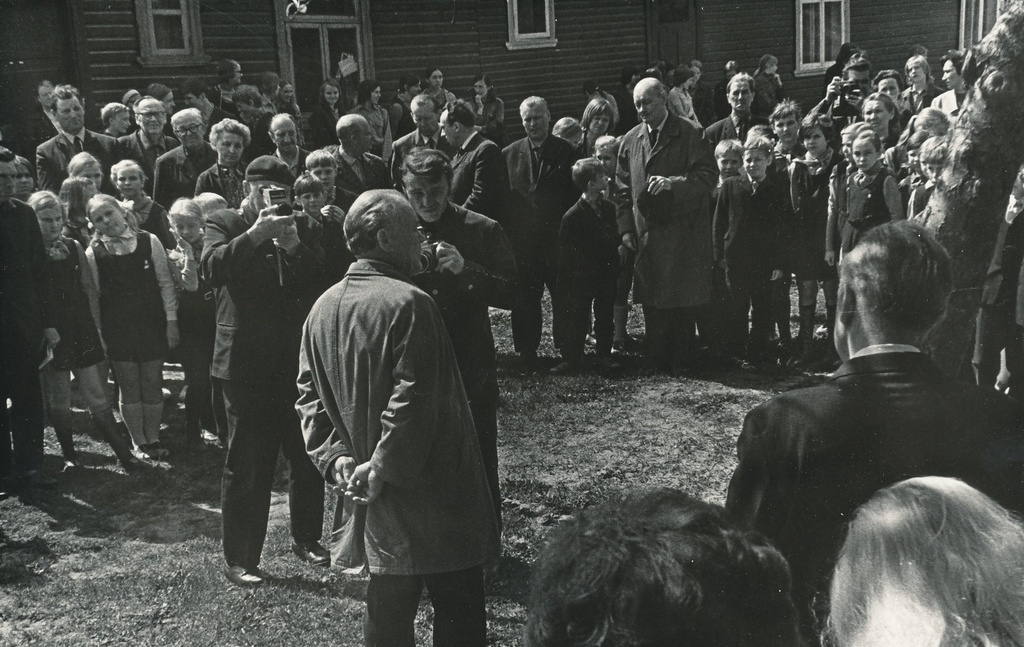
(378, 381)
(672, 229)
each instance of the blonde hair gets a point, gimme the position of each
(81, 160)
(43, 199)
(126, 165)
(185, 207)
(102, 198)
(929, 561)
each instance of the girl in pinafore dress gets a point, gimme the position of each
(138, 316)
(70, 288)
(872, 195)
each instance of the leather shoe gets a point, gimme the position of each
(247, 578)
(312, 553)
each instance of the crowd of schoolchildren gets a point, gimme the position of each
(793, 197)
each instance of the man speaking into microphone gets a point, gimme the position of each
(265, 269)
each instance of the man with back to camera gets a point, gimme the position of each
(265, 274)
(540, 175)
(385, 416)
(666, 171)
(809, 457)
(480, 179)
(475, 270)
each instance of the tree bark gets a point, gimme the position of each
(986, 150)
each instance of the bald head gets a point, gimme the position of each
(151, 116)
(650, 97)
(353, 134)
(382, 225)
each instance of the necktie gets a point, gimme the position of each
(78, 145)
(535, 152)
(653, 136)
(426, 143)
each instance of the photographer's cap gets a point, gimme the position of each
(267, 168)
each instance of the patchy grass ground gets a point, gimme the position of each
(111, 558)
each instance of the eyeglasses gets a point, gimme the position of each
(193, 129)
(152, 115)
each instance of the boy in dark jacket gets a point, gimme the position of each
(588, 268)
(746, 240)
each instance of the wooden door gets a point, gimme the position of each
(672, 31)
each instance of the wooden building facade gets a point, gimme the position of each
(543, 47)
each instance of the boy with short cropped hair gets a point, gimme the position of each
(327, 222)
(747, 218)
(588, 269)
(729, 157)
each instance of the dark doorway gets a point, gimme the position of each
(34, 45)
(672, 31)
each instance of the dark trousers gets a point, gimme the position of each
(712, 319)
(21, 426)
(781, 306)
(750, 297)
(997, 330)
(262, 422)
(195, 355)
(538, 267)
(669, 337)
(460, 617)
(599, 298)
(485, 419)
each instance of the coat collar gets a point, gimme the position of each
(918, 363)
(374, 267)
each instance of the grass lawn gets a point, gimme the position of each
(110, 558)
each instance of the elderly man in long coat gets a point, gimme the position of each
(385, 414)
(667, 171)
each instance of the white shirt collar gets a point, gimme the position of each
(465, 144)
(659, 127)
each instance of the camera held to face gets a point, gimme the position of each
(851, 95)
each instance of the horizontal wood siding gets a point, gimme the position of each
(743, 31)
(595, 39)
(240, 29)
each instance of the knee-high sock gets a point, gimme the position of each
(131, 413)
(104, 421)
(151, 416)
(807, 322)
(62, 428)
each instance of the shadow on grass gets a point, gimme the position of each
(21, 560)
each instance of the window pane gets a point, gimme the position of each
(810, 47)
(833, 29)
(991, 13)
(532, 16)
(167, 4)
(169, 32)
(331, 8)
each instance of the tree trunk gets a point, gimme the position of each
(986, 150)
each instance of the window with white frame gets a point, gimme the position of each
(531, 24)
(822, 26)
(977, 17)
(170, 33)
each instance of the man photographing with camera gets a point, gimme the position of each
(468, 266)
(844, 96)
(265, 270)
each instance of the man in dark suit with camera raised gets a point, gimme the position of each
(266, 274)
(810, 457)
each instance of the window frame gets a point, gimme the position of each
(968, 32)
(152, 56)
(801, 68)
(536, 40)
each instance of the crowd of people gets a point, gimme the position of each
(346, 269)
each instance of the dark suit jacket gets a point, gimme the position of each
(538, 207)
(1001, 281)
(259, 321)
(53, 155)
(348, 186)
(489, 279)
(480, 179)
(176, 173)
(130, 147)
(726, 129)
(24, 305)
(810, 457)
(405, 144)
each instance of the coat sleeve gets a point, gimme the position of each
(892, 199)
(721, 223)
(624, 197)
(750, 489)
(495, 282)
(409, 423)
(47, 172)
(324, 443)
(488, 175)
(228, 253)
